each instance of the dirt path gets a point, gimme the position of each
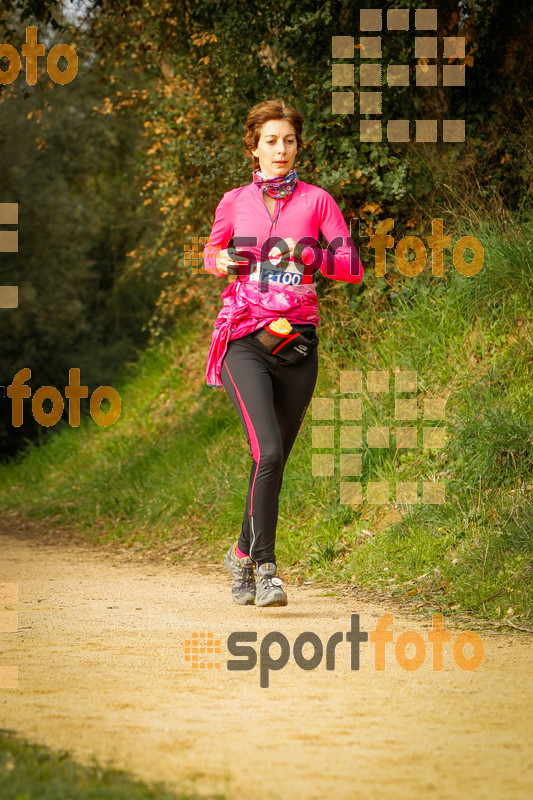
(101, 656)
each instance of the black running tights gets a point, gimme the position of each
(271, 397)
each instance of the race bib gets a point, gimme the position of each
(284, 272)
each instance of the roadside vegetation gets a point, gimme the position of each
(34, 772)
(174, 467)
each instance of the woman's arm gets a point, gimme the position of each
(220, 235)
(344, 264)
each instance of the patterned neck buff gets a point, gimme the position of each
(282, 186)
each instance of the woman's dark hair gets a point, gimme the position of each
(261, 113)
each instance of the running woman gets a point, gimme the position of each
(264, 347)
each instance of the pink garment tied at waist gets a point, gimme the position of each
(247, 309)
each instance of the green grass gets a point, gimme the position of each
(175, 466)
(33, 772)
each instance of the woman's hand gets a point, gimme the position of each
(226, 264)
(286, 249)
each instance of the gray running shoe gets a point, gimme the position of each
(269, 587)
(242, 572)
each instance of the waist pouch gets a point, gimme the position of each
(292, 347)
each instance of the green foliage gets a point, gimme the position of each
(323, 553)
(187, 74)
(497, 448)
(137, 151)
(30, 771)
(175, 468)
(72, 173)
(213, 62)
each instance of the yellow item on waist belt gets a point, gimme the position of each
(281, 325)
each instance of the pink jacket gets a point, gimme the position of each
(262, 293)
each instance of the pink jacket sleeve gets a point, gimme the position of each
(344, 264)
(220, 235)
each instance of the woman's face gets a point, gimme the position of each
(276, 148)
